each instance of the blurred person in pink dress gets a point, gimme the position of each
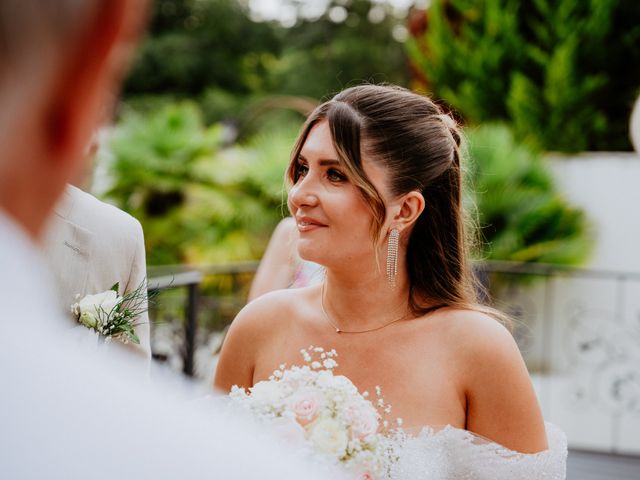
(281, 266)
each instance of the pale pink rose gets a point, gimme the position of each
(364, 420)
(367, 476)
(305, 404)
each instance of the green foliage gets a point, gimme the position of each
(196, 44)
(197, 202)
(562, 72)
(321, 57)
(212, 52)
(521, 215)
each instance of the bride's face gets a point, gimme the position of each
(333, 219)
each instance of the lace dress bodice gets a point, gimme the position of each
(451, 453)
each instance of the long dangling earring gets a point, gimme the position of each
(392, 256)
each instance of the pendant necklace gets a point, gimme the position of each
(339, 330)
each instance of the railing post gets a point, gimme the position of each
(190, 329)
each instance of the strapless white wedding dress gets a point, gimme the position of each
(324, 416)
(450, 453)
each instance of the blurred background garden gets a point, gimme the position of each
(545, 90)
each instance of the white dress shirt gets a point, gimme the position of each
(68, 415)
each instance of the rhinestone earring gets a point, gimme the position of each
(392, 256)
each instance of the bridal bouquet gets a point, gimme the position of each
(322, 410)
(111, 315)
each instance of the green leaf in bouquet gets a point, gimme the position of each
(132, 337)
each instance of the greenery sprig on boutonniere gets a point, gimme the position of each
(112, 315)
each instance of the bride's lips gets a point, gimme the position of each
(307, 224)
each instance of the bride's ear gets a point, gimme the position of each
(408, 209)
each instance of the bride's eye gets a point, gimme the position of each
(335, 175)
(301, 170)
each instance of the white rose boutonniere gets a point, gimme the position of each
(113, 315)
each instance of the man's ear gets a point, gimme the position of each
(409, 208)
(92, 67)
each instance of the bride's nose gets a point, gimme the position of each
(304, 193)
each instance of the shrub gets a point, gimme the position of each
(561, 72)
(521, 215)
(198, 203)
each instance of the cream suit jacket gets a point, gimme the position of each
(91, 245)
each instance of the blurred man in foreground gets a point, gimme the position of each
(64, 414)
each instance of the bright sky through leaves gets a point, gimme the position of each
(287, 12)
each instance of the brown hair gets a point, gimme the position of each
(419, 145)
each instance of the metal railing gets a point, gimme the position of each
(168, 277)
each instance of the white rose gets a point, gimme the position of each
(342, 383)
(329, 436)
(324, 378)
(266, 392)
(104, 301)
(88, 320)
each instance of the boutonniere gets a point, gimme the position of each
(112, 315)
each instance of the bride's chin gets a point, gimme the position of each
(310, 256)
(309, 252)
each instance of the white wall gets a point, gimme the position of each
(607, 186)
(581, 333)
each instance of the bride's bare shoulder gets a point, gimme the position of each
(257, 324)
(475, 333)
(501, 403)
(276, 308)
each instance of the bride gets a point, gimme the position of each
(376, 191)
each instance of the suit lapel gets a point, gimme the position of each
(75, 251)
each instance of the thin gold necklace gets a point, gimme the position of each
(339, 330)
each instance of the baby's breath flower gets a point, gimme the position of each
(329, 363)
(327, 409)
